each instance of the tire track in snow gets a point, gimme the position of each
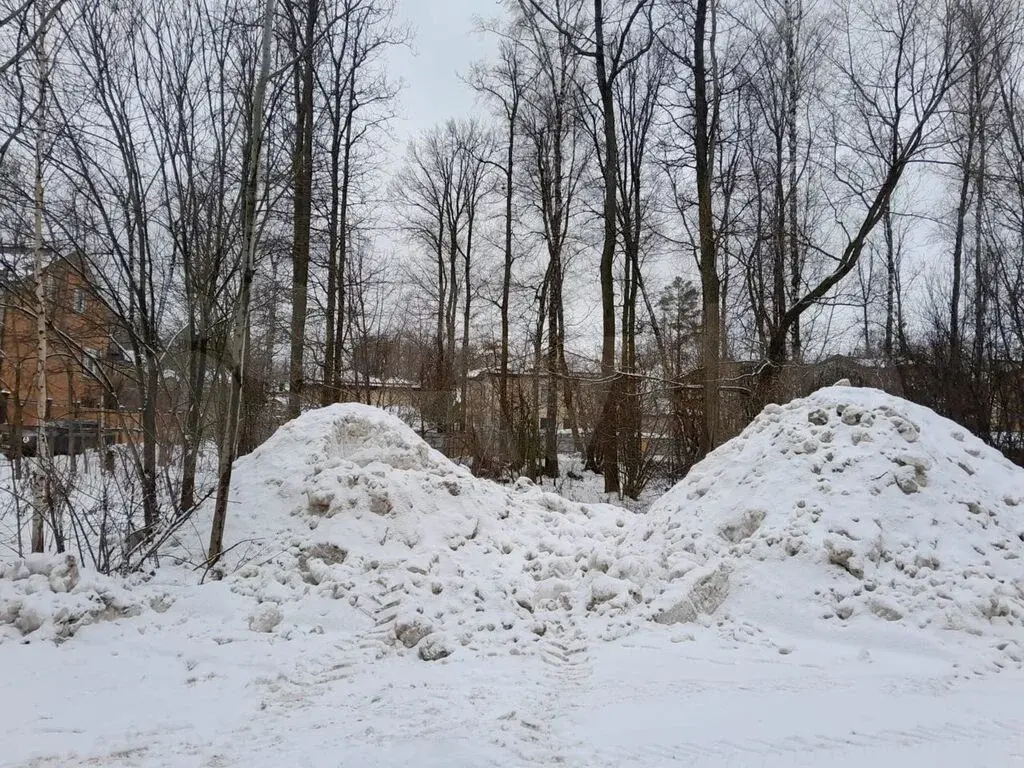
(311, 676)
(566, 650)
(535, 734)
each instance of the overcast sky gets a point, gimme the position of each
(444, 44)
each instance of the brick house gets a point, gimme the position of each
(85, 367)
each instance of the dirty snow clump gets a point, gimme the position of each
(849, 505)
(48, 597)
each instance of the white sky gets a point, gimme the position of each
(444, 45)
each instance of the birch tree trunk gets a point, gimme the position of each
(42, 501)
(239, 339)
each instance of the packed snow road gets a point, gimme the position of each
(159, 699)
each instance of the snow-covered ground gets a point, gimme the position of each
(841, 585)
(179, 691)
(578, 484)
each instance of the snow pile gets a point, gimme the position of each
(846, 506)
(47, 597)
(348, 504)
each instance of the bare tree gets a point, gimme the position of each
(110, 219)
(442, 184)
(43, 508)
(424, 183)
(780, 83)
(692, 40)
(195, 120)
(898, 76)
(303, 36)
(475, 149)
(31, 20)
(554, 166)
(973, 130)
(637, 94)
(357, 96)
(503, 84)
(604, 39)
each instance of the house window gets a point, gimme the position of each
(79, 301)
(91, 361)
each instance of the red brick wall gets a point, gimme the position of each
(79, 321)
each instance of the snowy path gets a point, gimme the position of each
(754, 712)
(126, 699)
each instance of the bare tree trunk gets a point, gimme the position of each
(451, 312)
(792, 192)
(552, 368)
(467, 294)
(890, 281)
(704, 151)
(606, 435)
(329, 390)
(609, 62)
(239, 339)
(335, 274)
(779, 240)
(629, 432)
(980, 278)
(505, 415)
(150, 501)
(193, 422)
(512, 114)
(504, 84)
(440, 380)
(42, 503)
(302, 173)
(344, 231)
(338, 237)
(637, 92)
(532, 434)
(959, 235)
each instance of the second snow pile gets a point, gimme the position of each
(348, 503)
(855, 505)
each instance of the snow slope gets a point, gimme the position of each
(850, 508)
(346, 504)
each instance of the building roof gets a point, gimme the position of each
(17, 266)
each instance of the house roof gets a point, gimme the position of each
(17, 262)
(514, 372)
(351, 378)
(18, 266)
